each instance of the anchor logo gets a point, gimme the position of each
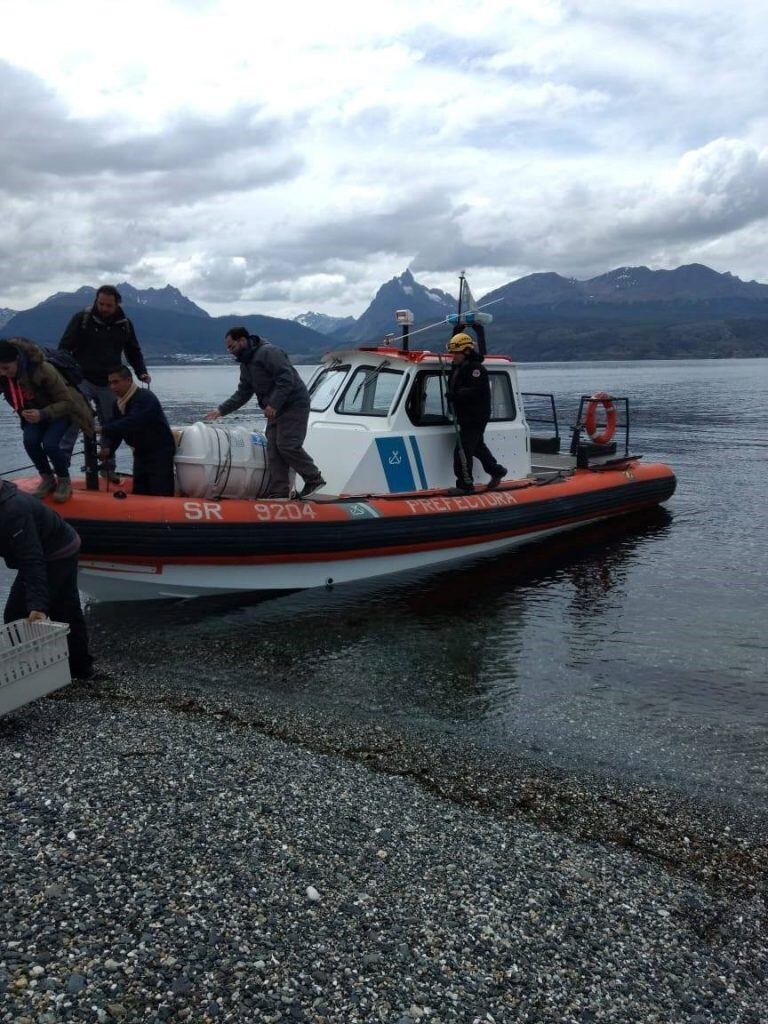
(362, 511)
(395, 458)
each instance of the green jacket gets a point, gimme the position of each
(50, 392)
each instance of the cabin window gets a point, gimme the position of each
(326, 387)
(502, 397)
(426, 405)
(370, 392)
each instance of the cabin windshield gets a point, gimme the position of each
(326, 386)
(370, 392)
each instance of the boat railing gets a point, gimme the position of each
(612, 410)
(540, 408)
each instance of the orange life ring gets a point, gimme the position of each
(590, 419)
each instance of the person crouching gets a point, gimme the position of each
(139, 420)
(51, 412)
(37, 542)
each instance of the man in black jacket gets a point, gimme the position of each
(37, 542)
(139, 420)
(98, 338)
(267, 373)
(469, 397)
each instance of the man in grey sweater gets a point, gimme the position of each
(267, 373)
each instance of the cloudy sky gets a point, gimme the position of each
(275, 158)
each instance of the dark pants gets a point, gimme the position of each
(64, 607)
(105, 407)
(153, 474)
(46, 444)
(474, 447)
(285, 437)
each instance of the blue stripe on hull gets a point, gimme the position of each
(396, 464)
(419, 463)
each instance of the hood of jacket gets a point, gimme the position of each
(30, 354)
(247, 354)
(118, 317)
(473, 359)
(7, 490)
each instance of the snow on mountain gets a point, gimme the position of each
(322, 323)
(627, 286)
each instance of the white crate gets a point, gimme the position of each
(33, 661)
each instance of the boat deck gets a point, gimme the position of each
(549, 463)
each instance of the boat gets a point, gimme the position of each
(383, 437)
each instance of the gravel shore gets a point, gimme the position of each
(169, 858)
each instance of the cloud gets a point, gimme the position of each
(574, 227)
(565, 135)
(718, 188)
(85, 197)
(234, 149)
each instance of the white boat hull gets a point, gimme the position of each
(103, 580)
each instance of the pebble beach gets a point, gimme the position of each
(167, 857)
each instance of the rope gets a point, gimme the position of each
(20, 469)
(225, 464)
(441, 323)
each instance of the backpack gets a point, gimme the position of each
(88, 313)
(66, 364)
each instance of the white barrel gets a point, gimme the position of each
(218, 461)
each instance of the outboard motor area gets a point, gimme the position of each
(217, 461)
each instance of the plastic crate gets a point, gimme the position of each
(33, 661)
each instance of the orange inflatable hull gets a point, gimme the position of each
(134, 538)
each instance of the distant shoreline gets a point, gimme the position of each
(303, 359)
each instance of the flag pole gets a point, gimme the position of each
(461, 293)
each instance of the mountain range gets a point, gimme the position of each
(427, 305)
(630, 312)
(628, 285)
(167, 323)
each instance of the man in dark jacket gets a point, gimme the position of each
(469, 397)
(139, 420)
(98, 338)
(37, 542)
(267, 373)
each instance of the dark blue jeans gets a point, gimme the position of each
(46, 445)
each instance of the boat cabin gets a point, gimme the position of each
(379, 421)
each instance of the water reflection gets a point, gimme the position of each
(637, 645)
(442, 646)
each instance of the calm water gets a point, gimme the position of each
(638, 648)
